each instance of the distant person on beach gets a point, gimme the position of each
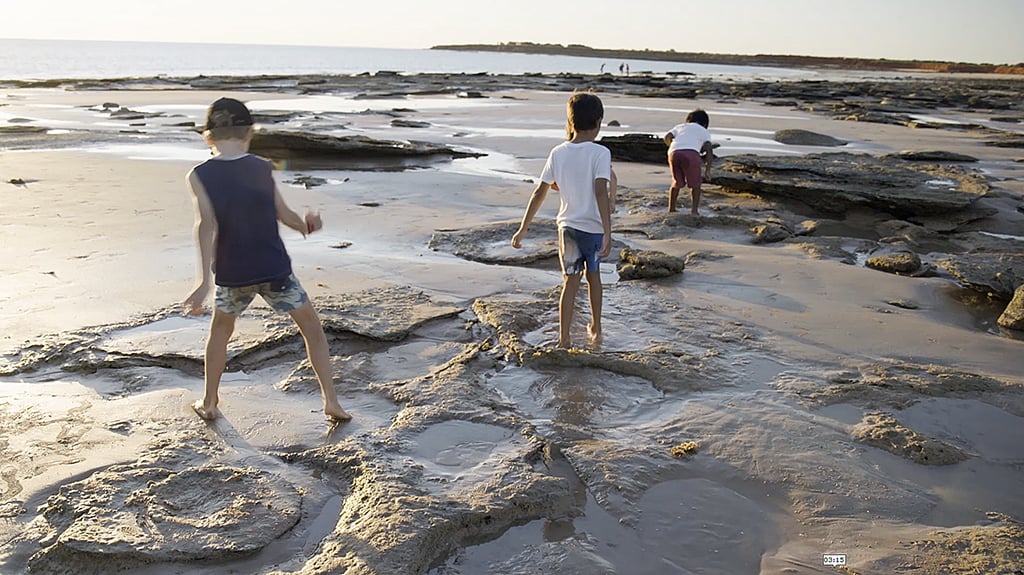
(582, 168)
(687, 142)
(622, 67)
(602, 67)
(238, 207)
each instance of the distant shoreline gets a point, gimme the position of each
(774, 60)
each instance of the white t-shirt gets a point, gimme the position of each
(691, 136)
(575, 167)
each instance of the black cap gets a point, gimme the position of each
(227, 112)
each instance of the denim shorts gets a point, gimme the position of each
(284, 295)
(578, 251)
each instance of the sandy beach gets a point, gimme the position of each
(775, 406)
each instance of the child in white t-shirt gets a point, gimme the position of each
(687, 142)
(582, 169)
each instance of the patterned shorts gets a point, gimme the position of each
(284, 295)
(578, 251)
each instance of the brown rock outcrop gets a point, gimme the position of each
(639, 264)
(1013, 315)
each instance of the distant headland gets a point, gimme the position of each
(776, 60)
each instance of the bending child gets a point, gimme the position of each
(687, 142)
(238, 207)
(582, 169)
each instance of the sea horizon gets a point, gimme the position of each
(43, 59)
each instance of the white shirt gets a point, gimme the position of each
(691, 136)
(575, 167)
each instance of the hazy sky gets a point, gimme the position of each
(959, 30)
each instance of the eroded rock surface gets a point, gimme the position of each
(310, 150)
(992, 547)
(491, 243)
(899, 386)
(645, 148)
(835, 183)
(640, 264)
(934, 156)
(999, 274)
(486, 428)
(882, 430)
(130, 515)
(796, 137)
(1013, 315)
(895, 263)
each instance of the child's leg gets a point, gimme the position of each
(566, 307)
(677, 167)
(596, 293)
(692, 164)
(695, 199)
(221, 327)
(320, 357)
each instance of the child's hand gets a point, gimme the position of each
(313, 222)
(194, 302)
(517, 239)
(606, 246)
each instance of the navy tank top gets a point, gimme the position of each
(248, 248)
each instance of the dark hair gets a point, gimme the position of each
(583, 112)
(698, 116)
(227, 113)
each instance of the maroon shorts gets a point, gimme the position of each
(685, 165)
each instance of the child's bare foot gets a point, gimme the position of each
(594, 334)
(564, 344)
(207, 412)
(336, 413)
(694, 213)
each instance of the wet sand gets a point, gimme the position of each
(475, 448)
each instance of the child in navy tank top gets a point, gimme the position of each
(238, 207)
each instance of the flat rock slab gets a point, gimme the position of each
(386, 314)
(934, 156)
(182, 336)
(806, 138)
(310, 150)
(998, 274)
(126, 515)
(836, 182)
(492, 243)
(637, 148)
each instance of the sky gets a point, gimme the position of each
(981, 31)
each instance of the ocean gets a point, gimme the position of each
(59, 59)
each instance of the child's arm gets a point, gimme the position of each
(288, 217)
(536, 200)
(668, 139)
(613, 186)
(708, 151)
(206, 232)
(601, 193)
